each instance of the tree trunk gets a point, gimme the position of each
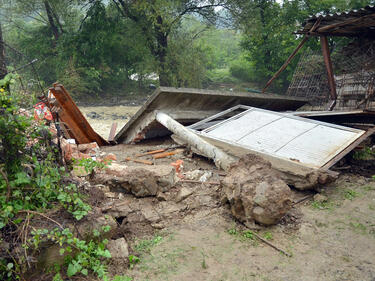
(3, 66)
(162, 47)
(51, 21)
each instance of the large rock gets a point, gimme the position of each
(256, 192)
(141, 181)
(118, 248)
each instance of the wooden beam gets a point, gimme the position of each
(349, 148)
(300, 45)
(343, 23)
(112, 133)
(74, 119)
(328, 63)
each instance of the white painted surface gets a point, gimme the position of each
(311, 143)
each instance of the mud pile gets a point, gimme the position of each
(256, 192)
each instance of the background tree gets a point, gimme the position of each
(157, 19)
(3, 66)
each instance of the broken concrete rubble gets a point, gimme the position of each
(140, 181)
(118, 248)
(256, 192)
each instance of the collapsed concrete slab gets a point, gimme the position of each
(188, 106)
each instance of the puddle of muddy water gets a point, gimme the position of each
(101, 118)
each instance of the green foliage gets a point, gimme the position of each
(248, 234)
(364, 154)
(81, 257)
(268, 235)
(133, 260)
(233, 231)
(31, 181)
(90, 165)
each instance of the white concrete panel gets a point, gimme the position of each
(311, 143)
(275, 135)
(317, 146)
(236, 128)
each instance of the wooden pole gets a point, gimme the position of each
(300, 45)
(221, 159)
(328, 63)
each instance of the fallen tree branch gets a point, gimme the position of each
(303, 199)
(139, 161)
(271, 245)
(42, 215)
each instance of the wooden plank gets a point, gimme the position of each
(74, 119)
(328, 63)
(112, 133)
(151, 152)
(139, 161)
(166, 154)
(343, 23)
(82, 121)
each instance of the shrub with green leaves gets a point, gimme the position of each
(31, 182)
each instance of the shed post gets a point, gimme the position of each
(328, 63)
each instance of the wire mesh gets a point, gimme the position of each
(354, 72)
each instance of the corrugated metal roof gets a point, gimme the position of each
(359, 27)
(354, 12)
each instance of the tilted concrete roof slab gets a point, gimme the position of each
(188, 106)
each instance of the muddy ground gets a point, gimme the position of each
(198, 239)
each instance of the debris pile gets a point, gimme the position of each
(262, 153)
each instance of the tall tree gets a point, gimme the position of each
(158, 18)
(3, 66)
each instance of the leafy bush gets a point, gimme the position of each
(31, 181)
(241, 69)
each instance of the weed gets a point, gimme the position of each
(325, 205)
(358, 227)
(350, 194)
(80, 256)
(90, 165)
(233, 231)
(204, 265)
(268, 236)
(248, 234)
(346, 258)
(371, 207)
(133, 260)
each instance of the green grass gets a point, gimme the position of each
(325, 205)
(350, 194)
(145, 246)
